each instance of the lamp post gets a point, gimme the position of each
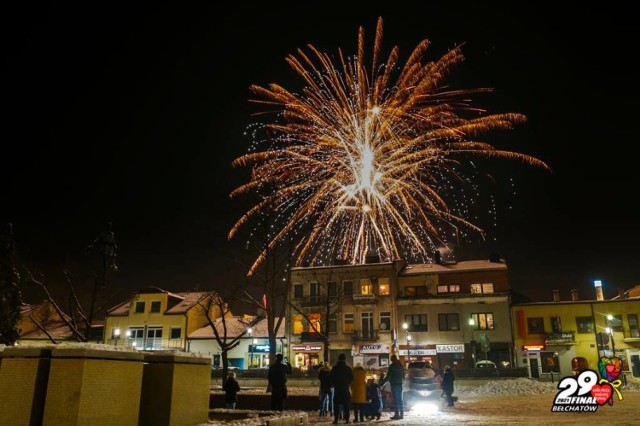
(472, 324)
(116, 335)
(249, 332)
(609, 331)
(405, 327)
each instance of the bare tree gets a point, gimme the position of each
(319, 310)
(10, 294)
(220, 318)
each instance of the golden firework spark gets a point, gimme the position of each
(363, 157)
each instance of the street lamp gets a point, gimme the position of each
(609, 331)
(116, 335)
(405, 327)
(472, 324)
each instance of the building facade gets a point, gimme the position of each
(154, 319)
(419, 311)
(551, 337)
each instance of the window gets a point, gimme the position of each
(314, 323)
(314, 292)
(366, 320)
(483, 320)
(175, 333)
(297, 291)
(633, 325)
(584, 324)
(139, 307)
(556, 324)
(384, 286)
(297, 324)
(451, 288)
(448, 322)
(332, 324)
(535, 325)
(366, 286)
(348, 323)
(137, 337)
(332, 289)
(154, 338)
(615, 323)
(481, 288)
(415, 291)
(417, 322)
(348, 288)
(385, 321)
(155, 306)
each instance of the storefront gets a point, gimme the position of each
(306, 356)
(258, 356)
(417, 353)
(373, 356)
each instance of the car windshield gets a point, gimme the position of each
(417, 364)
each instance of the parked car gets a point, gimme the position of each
(486, 364)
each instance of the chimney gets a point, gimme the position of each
(574, 294)
(437, 257)
(598, 286)
(556, 295)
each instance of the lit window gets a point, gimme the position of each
(348, 323)
(476, 288)
(482, 288)
(366, 287)
(450, 288)
(314, 323)
(487, 288)
(384, 287)
(483, 320)
(297, 324)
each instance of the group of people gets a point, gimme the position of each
(343, 388)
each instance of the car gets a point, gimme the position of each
(486, 364)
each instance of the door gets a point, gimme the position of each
(533, 364)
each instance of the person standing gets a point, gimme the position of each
(447, 385)
(359, 392)
(326, 389)
(231, 389)
(341, 376)
(278, 372)
(374, 396)
(395, 377)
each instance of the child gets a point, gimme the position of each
(374, 396)
(231, 389)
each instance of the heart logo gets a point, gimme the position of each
(610, 368)
(602, 393)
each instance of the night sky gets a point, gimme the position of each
(133, 114)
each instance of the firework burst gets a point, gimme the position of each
(365, 158)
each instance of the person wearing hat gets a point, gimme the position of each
(341, 376)
(395, 377)
(278, 382)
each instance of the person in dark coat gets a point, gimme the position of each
(341, 376)
(231, 389)
(374, 398)
(278, 381)
(326, 390)
(447, 385)
(395, 377)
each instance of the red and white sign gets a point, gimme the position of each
(307, 348)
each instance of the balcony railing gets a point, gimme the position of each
(309, 336)
(148, 344)
(364, 298)
(368, 336)
(562, 338)
(313, 300)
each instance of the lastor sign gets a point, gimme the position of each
(453, 348)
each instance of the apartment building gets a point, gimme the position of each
(419, 311)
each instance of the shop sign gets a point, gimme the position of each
(375, 349)
(417, 352)
(455, 348)
(259, 348)
(307, 348)
(532, 347)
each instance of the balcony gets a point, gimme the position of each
(562, 338)
(369, 336)
(313, 301)
(309, 336)
(364, 298)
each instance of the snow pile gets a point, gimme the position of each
(253, 418)
(521, 386)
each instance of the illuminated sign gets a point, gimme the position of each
(533, 347)
(455, 348)
(307, 348)
(258, 348)
(375, 349)
(417, 352)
